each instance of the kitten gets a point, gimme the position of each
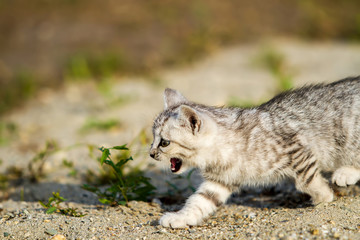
(297, 135)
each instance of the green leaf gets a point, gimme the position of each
(62, 199)
(105, 201)
(105, 155)
(123, 162)
(51, 210)
(122, 147)
(90, 188)
(122, 203)
(50, 200)
(43, 204)
(109, 162)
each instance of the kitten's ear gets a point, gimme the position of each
(173, 97)
(191, 118)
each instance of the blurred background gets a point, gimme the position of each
(76, 75)
(46, 42)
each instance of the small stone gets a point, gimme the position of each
(46, 221)
(314, 231)
(51, 231)
(58, 237)
(26, 212)
(6, 234)
(156, 201)
(336, 235)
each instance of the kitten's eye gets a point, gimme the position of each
(164, 143)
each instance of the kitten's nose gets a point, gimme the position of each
(153, 154)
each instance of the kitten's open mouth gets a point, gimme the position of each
(175, 164)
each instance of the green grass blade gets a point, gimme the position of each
(122, 147)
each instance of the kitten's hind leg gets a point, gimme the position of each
(309, 180)
(346, 175)
(318, 189)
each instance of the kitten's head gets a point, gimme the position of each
(177, 132)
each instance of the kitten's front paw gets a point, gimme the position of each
(346, 176)
(178, 220)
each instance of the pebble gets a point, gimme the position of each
(336, 235)
(6, 234)
(58, 237)
(156, 201)
(26, 212)
(51, 231)
(314, 231)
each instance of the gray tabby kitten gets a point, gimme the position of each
(297, 134)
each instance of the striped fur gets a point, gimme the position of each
(297, 135)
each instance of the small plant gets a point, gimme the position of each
(4, 181)
(274, 61)
(100, 125)
(19, 88)
(124, 187)
(12, 175)
(36, 165)
(69, 164)
(53, 205)
(8, 131)
(99, 66)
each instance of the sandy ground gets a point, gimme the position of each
(60, 115)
